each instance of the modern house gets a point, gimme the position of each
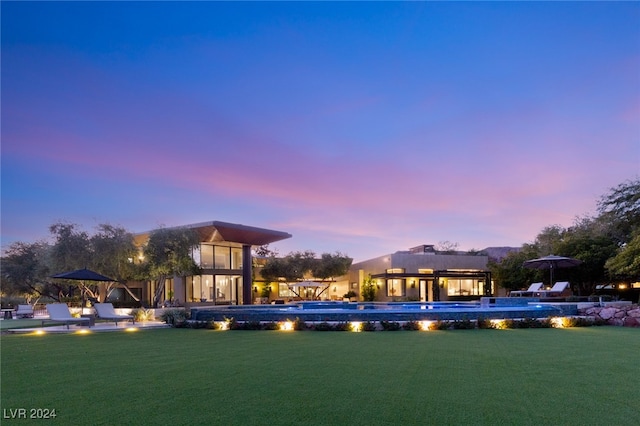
(424, 274)
(224, 256)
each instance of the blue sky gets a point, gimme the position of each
(364, 128)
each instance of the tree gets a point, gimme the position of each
(114, 251)
(167, 254)
(297, 265)
(547, 240)
(625, 265)
(509, 272)
(71, 249)
(264, 251)
(587, 241)
(331, 265)
(369, 289)
(620, 208)
(24, 270)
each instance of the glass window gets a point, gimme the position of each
(222, 257)
(395, 288)
(464, 287)
(206, 256)
(236, 258)
(223, 289)
(284, 290)
(395, 271)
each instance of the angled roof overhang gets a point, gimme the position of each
(216, 231)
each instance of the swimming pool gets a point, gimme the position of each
(382, 311)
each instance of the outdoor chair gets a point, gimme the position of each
(557, 289)
(24, 311)
(59, 312)
(533, 288)
(107, 312)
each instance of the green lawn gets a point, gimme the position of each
(578, 376)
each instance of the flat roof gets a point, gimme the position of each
(217, 231)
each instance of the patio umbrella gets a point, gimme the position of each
(551, 262)
(82, 275)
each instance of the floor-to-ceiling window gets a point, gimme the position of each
(216, 284)
(395, 288)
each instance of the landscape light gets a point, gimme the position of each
(425, 325)
(498, 324)
(558, 322)
(356, 326)
(286, 326)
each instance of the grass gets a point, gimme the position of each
(579, 376)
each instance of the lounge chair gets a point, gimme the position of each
(532, 290)
(106, 311)
(557, 289)
(59, 312)
(24, 311)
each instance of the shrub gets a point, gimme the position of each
(342, 326)
(369, 326)
(197, 324)
(463, 324)
(271, 326)
(323, 326)
(212, 325)
(299, 324)
(441, 325)
(390, 325)
(174, 316)
(484, 323)
(411, 325)
(142, 315)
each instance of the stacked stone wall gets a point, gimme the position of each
(625, 315)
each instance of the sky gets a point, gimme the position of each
(363, 128)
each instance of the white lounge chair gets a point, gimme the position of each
(24, 311)
(533, 289)
(106, 311)
(556, 290)
(59, 312)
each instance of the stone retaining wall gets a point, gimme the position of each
(626, 315)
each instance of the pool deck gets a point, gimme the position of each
(82, 329)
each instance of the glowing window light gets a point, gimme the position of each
(426, 325)
(356, 326)
(286, 326)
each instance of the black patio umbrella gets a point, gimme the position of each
(82, 275)
(551, 262)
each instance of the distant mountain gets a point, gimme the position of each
(496, 254)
